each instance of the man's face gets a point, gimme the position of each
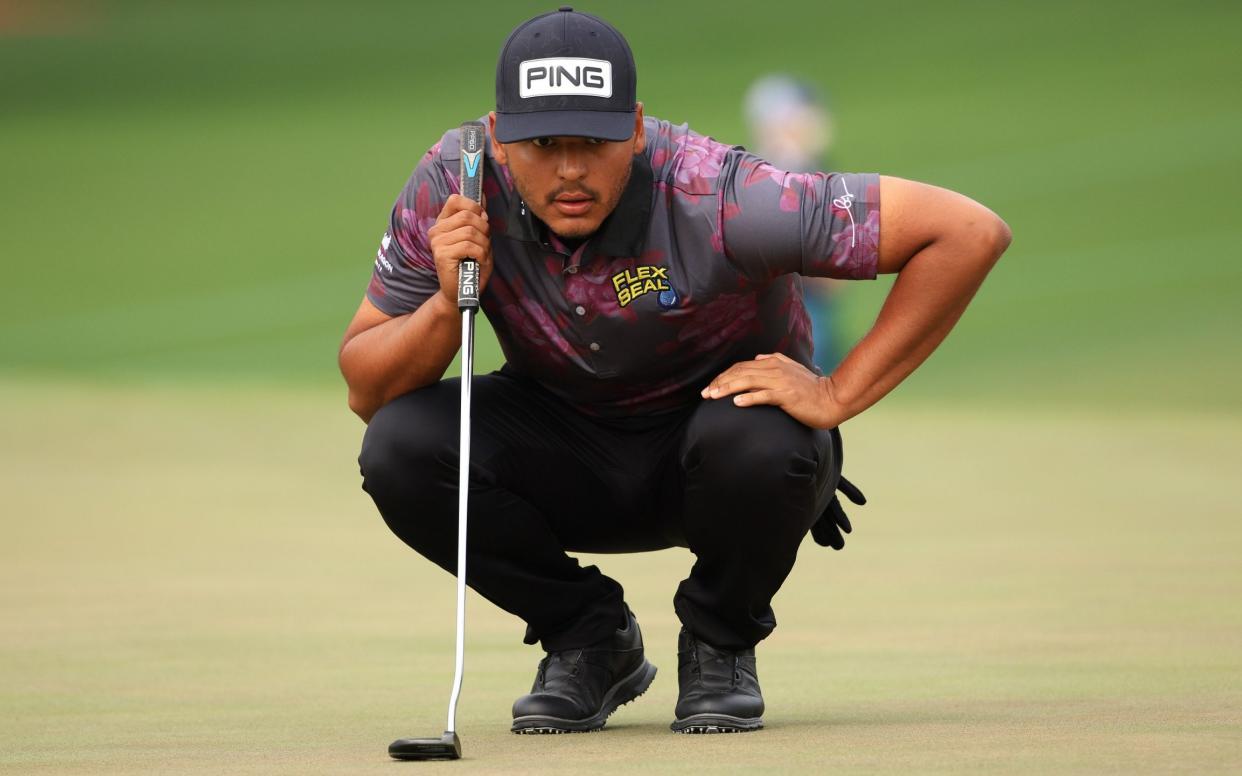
(571, 183)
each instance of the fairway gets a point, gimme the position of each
(1036, 592)
(1047, 578)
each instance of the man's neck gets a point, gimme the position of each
(568, 244)
(573, 243)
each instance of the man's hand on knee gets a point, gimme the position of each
(778, 380)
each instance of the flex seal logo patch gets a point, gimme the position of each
(561, 76)
(633, 283)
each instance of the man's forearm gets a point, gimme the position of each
(400, 355)
(929, 296)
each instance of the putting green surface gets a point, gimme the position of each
(191, 582)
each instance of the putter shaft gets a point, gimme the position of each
(463, 483)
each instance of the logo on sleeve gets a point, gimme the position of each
(381, 261)
(561, 76)
(845, 202)
(633, 283)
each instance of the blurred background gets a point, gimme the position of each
(191, 195)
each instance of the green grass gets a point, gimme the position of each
(198, 189)
(193, 582)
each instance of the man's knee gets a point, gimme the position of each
(408, 463)
(409, 441)
(754, 447)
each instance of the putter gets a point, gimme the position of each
(448, 746)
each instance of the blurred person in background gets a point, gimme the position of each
(792, 126)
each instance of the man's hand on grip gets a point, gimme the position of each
(460, 232)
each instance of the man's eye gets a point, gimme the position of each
(596, 141)
(542, 142)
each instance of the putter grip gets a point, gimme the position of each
(472, 138)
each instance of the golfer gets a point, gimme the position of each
(644, 283)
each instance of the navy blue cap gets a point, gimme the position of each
(565, 73)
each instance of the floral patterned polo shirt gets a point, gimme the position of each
(696, 269)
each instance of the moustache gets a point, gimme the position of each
(576, 190)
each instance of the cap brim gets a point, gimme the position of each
(606, 125)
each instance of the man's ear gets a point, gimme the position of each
(498, 149)
(640, 133)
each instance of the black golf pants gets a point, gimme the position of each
(740, 487)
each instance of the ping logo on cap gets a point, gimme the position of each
(560, 76)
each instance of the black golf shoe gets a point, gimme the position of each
(719, 689)
(576, 689)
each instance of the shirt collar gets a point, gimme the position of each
(624, 231)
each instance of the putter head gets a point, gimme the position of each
(446, 747)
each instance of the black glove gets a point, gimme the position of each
(830, 529)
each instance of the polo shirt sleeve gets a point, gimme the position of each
(405, 273)
(817, 224)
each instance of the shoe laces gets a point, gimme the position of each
(571, 658)
(717, 659)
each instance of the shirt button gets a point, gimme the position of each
(595, 346)
(573, 269)
(580, 310)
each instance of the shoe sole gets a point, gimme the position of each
(617, 696)
(716, 723)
